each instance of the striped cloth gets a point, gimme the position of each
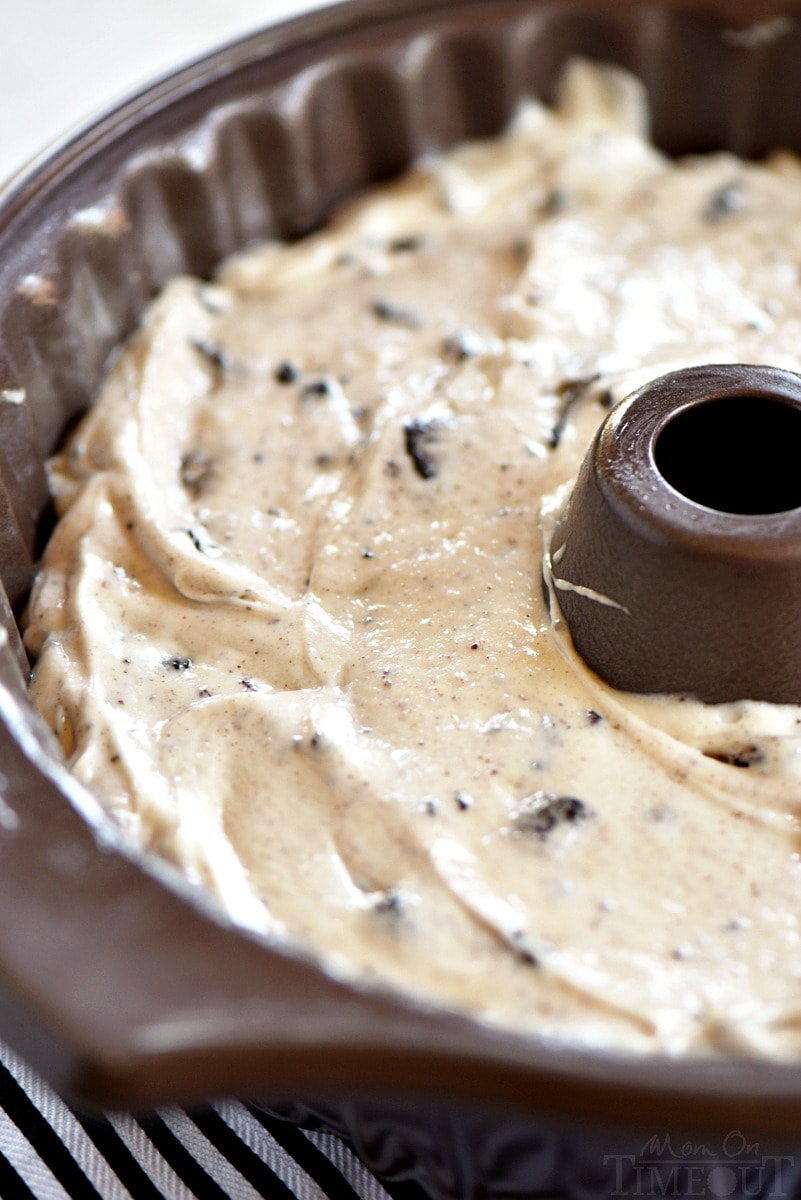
(225, 1150)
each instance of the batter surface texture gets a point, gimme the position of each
(291, 626)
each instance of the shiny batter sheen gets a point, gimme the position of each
(291, 624)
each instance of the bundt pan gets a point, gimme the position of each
(116, 981)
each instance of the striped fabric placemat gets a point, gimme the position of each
(225, 1150)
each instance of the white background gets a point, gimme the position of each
(63, 61)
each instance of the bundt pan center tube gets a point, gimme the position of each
(677, 560)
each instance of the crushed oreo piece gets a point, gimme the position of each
(317, 387)
(197, 471)
(385, 310)
(389, 902)
(178, 664)
(419, 437)
(406, 244)
(593, 717)
(542, 812)
(723, 202)
(744, 756)
(570, 392)
(214, 356)
(462, 344)
(286, 372)
(522, 951)
(555, 202)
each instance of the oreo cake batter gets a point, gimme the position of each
(291, 626)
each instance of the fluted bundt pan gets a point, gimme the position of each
(115, 979)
